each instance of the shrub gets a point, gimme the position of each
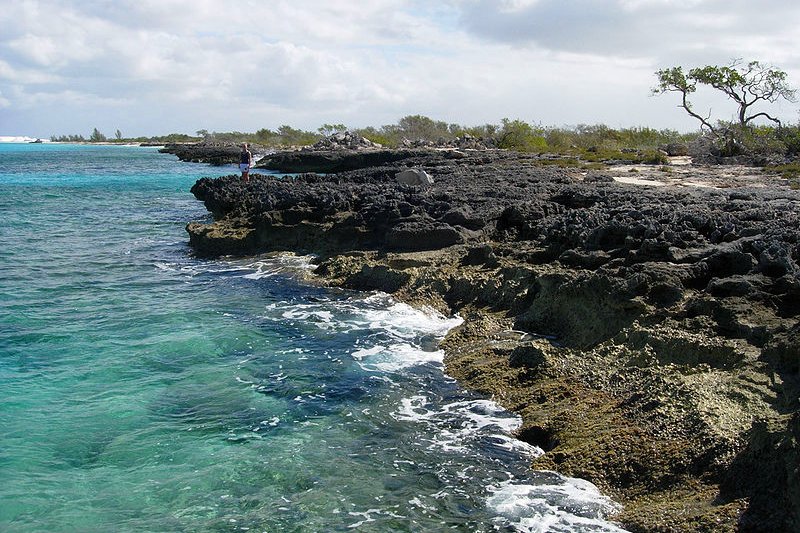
(521, 136)
(789, 171)
(790, 137)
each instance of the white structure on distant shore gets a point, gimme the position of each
(20, 139)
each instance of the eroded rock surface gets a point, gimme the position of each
(216, 154)
(647, 335)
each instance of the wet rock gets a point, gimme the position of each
(221, 238)
(528, 355)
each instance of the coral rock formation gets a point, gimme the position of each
(647, 335)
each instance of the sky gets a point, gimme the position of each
(152, 67)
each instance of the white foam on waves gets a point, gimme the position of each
(539, 502)
(277, 265)
(394, 357)
(407, 328)
(260, 268)
(396, 335)
(452, 427)
(562, 505)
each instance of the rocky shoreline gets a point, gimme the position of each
(648, 335)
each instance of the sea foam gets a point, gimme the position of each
(393, 337)
(557, 504)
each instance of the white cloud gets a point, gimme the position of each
(25, 75)
(153, 66)
(659, 30)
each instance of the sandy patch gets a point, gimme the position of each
(638, 181)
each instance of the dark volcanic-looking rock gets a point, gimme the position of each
(212, 153)
(326, 161)
(665, 361)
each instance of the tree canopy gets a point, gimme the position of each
(746, 84)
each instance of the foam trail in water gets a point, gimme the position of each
(393, 338)
(561, 505)
(455, 425)
(262, 267)
(411, 335)
(279, 265)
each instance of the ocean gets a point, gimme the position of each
(145, 389)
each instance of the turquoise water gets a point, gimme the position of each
(143, 389)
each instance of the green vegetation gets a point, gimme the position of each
(68, 138)
(97, 137)
(420, 128)
(515, 134)
(601, 137)
(326, 130)
(521, 136)
(585, 146)
(747, 85)
(790, 171)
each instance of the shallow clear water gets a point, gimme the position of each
(142, 389)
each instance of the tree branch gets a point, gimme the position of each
(762, 114)
(688, 107)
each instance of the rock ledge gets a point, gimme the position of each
(649, 337)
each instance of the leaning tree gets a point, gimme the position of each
(747, 84)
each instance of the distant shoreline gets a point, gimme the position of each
(19, 140)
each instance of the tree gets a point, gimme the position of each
(746, 84)
(265, 135)
(519, 135)
(327, 130)
(118, 135)
(292, 136)
(416, 127)
(97, 136)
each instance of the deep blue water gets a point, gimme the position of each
(143, 389)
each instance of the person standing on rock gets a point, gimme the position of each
(245, 161)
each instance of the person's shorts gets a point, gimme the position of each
(244, 167)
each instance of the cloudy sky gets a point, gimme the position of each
(150, 67)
